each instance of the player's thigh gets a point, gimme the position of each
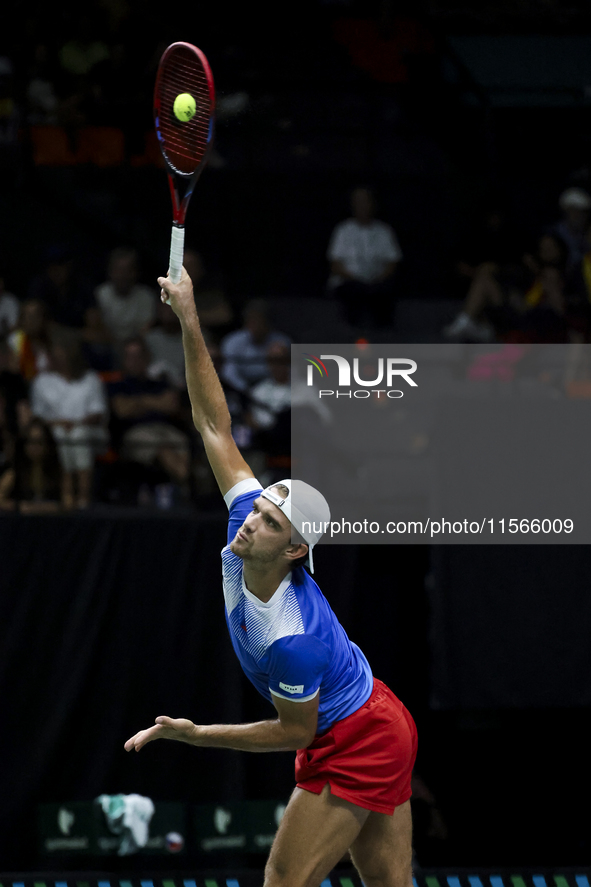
(314, 834)
(382, 852)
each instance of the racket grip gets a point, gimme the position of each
(177, 249)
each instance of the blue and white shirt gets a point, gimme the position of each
(292, 646)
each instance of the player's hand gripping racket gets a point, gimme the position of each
(184, 102)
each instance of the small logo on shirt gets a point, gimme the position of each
(243, 627)
(290, 689)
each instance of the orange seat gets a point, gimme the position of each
(101, 146)
(152, 155)
(51, 146)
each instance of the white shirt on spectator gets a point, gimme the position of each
(364, 250)
(54, 398)
(9, 311)
(271, 398)
(126, 316)
(168, 356)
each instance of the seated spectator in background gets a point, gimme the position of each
(270, 414)
(81, 53)
(144, 411)
(70, 399)
(500, 295)
(95, 341)
(272, 396)
(9, 310)
(572, 228)
(544, 319)
(491, 240)
(578, 295)
(6, 438)
(32, 484)
(165, 343)
(245, 350)
(127, 307)
(61, 290)
(13, 390)
(30, 342)
(213, 308)
(364, 254)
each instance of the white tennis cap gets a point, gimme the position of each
(305, 508)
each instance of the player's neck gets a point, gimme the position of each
(263, 582)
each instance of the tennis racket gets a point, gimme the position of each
(185, 144)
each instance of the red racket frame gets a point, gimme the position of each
(173, 135)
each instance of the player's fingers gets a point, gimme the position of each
(142, 738)
(164, 721)
(130, 744)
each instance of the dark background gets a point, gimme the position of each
(108, 620)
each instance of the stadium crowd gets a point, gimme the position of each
(93, 399)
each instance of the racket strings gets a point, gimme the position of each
(184, 143)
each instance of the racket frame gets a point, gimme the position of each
(182, 184)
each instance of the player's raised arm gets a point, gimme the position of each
(208, 404)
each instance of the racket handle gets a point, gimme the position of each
(177, 249)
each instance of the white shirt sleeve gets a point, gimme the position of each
(391, 247)
(96, 401)
(243, 486)
(39, 405)
(337, 247)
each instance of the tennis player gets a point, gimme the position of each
(355, 741)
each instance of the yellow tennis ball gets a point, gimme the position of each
(184, 107)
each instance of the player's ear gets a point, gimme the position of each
(296, 550)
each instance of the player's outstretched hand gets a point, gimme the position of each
(180, 729)
(178, 295)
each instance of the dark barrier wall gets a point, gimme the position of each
(107, 621)
(511, 627)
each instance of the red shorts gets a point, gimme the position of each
(367, 757)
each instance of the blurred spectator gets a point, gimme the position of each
(96, 341)
(127, 307)
(273, 395)
(31, 340)
(9, 113)
(144, 410)
(572, 228)
(165, 342)
(245, 350)
(578, 294)
(544, 319)
(500, 295)
(59, 287)
(13, 390)
(213, 308)
(77, 58)
(71, 400)
(6, 438)
(491, 239)
(33, 482)
(9, 310)
(85, 49)
(364, 254)
(270, 414)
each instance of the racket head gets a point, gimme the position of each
(184, 145)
